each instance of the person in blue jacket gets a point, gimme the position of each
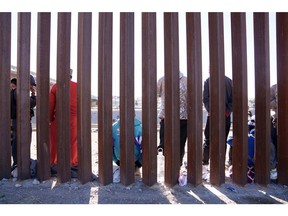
(251, 154)
(137, 144)
(251, 148)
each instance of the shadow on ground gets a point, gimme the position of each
(73, 192)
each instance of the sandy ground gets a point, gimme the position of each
(13, 191)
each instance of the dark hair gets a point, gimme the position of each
(14, 81)
(32, 81)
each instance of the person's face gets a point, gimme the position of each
(12, 86)
(32, 88)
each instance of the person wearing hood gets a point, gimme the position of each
(137, 144)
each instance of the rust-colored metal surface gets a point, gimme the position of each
(63, 96)
(23, 95)
(262, 98)
(43, 87)
(282, 80)
(5, 65)
(127, 111)
(172, 119)
(149, 98)
(217, 99)
(194, 98)
(240, 98)
(84, 97)
(105, 144)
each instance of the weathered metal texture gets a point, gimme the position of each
(172, 119)
(194, 98)
(23, 98)
(105, 144)
(262, 97)
(217, 99)
(127, 112)
(63, 96)
(282, 80)
(43, 87)
(5, 65)
(149, 98)
(240, 98)
(84, 97)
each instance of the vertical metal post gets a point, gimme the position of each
(262, 97)
(43, 87)
(63, 96)
(105, 144)
(127, 112)
(217, 99)
(240, 97)
(149, 98)
(194, 97)
(84, 96)
(172, 119)
(282, 80)
(23, 99)
(5, 66)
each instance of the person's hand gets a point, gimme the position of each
(274, 121)
(33, 90)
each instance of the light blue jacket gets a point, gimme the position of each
(137, 141)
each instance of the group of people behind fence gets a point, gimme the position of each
(53, 125)
(183, 116)
(138, 126)
(206, 99)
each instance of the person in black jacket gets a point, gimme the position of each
(13, 95)
(228, 111)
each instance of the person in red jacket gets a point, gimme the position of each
(73, 126)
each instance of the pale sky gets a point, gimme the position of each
(160, 44)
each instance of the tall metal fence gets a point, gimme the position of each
(149, 97)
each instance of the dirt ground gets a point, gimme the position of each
(13, 191)
(50, 192)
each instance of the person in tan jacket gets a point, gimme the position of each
(183, 113)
